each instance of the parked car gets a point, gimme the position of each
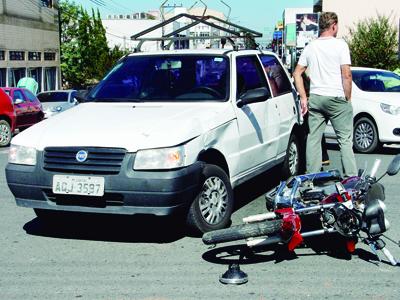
(163, 132)
(376, 105)
(55, 102)
(27, 108)
(7, 119)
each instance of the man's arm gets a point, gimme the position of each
(347, 80)
(299, 83)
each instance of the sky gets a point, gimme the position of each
(259, 15)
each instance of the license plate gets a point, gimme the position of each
(78, 185)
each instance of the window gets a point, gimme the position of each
(34, 56)
(53, 97)
(18, 95)
(31, 97)
(14, 75)
(277, 77)
(3, 73)
(17, 55)
(49, 56)
(249, 74)
(50, 78)
(166, 78)
(36, 73)
(47, 3)
(376, 81)
(2, 55)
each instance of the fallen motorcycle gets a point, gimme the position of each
(311, 205)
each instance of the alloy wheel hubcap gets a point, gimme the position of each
(4, 133)
(364, 135)
(213, 200)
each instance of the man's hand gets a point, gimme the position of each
(304, 106)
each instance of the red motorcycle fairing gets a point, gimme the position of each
(291, 227)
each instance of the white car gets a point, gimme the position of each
(54, 102)
(163, 132)
(376, 105)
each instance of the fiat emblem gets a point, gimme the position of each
(81, 156)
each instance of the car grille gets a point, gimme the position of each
(99, 160)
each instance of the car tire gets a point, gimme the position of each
(292, 162)
(365, 136)
(5, 133)
(213, 205)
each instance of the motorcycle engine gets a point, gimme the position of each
(346, 221)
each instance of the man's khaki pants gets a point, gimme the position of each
(340, 112)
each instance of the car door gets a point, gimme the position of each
(21, 108)
(282, 90)
(34, 107)
(258, 134)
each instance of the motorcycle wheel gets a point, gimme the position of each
(241, 232)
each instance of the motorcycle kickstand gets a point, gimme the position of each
(234, 275)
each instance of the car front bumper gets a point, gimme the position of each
(128, 192)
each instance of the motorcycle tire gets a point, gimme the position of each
(241, 232)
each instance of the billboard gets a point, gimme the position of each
(306, 29)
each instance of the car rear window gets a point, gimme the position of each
(53, 97)
(165, 78)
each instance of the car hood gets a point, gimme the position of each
(129, 126)
(381, 97)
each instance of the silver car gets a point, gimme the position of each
(55, 102)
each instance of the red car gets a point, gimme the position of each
(19, 108)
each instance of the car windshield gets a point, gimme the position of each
(165, 78)
(53, 97)
(376, 81)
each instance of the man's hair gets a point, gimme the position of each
(326, 19)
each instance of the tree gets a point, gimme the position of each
(85, 55)
(373, 43)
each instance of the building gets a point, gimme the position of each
(351, 12)
(30, 42)
(119, 29)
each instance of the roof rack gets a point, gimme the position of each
(237, 31)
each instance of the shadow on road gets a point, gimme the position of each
(385, 150)
(126, 229)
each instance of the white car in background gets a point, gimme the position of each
(376, 105)
(55, 102)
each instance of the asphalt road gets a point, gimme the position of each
(148, 258)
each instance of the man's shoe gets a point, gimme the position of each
(326, 162)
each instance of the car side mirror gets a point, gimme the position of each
(18, 101)
(79, 99)
(253, 96)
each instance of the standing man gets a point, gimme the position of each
(328, 61)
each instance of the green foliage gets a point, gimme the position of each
(373, 43)
(85, 55)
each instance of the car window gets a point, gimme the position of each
(165, 78)
(277, 77)
(18, 95)
(53, 97)
(376, 81)
(249, 74)
(31, 97)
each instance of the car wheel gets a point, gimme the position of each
(365, 136)
(213, 205)
(291, 164)
(5, 133)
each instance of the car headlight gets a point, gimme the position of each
(390, 109)
(56, 109)
(163, 158)
(22, 155)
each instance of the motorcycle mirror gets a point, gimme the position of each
(394, 166)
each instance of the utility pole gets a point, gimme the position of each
(162, 8)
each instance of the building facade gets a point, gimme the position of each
(30, 42)
(351, 12)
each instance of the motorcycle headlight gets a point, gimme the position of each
(163, 158)
(22, 155)
(390, 109)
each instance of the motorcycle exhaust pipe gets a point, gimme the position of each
(318, 232)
